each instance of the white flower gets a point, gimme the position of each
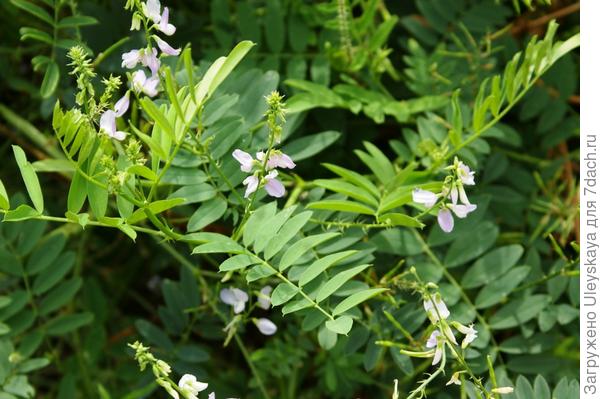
(165, 47)
(465, 174)
(436, 340)
(265, 326)
(164, 26)
(122, 105)
(246, 161)
(251, 183)
(455, 379)
(131, 58)
(440, 308)
(152, 10)
(149, 58)
(462, 211)
(424, 197)
(108, 125)
(235, 298)
(469, 332)
(191, 386)
(264, 297)
(503, 390)
(143, 84)
(273, 186)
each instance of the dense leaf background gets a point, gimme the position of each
(374, 97)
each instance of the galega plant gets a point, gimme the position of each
(143, 150)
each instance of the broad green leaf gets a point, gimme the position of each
(270, 228)
(286, 233)
(34, 10)
(221, 246)
(540, 388)
(30, 178)
(53, 165)
(464, 249)
(299, 248)
(68, 323)
(379, 164)
(155, 207)
(209, 212)
(97, 197)
(400, 219)
(331, 286)
(4, 200)
(523, 389)
(356, 299)
(237, 262)
(143, 171)
(327, 338)
(342, 325)
(60, 295)
(229, 63)
(354, 177)
(283, 293)
(51, 78)
(351, 190)
(45, 253)
(23, 212)
(495, 291)
(77, 193)
(308, 146)
(492, 265)
(158, 116)
(519, 311)
(342, 206)
(53, 274)
(76, 21)
(254, 225)
(275, 30)
(322, 264)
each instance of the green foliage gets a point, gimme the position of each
(320, 292)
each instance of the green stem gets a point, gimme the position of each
(259, 380)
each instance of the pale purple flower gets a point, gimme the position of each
(245, 160)
(445, 220)
(108, 125)
(149, 58)
(131, 58)
(152, 10)
(465, 174)
(278, 159)
(435, 307)
(251, 183)
(234, 297)
(122, 105)
(191, 386)
(462, 211)
(424, 197)
(264, 297)
(164, 26)
(165, 47)
(265, 326)
(143, 84)
(273, 186)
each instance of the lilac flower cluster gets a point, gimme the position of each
(277, 159)
(148, 57)
(462, 176)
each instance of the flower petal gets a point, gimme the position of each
(165, 47)
(251, 183)
(462, 211)
(275, 188)
(266, 326)
(424, 197)
(164, 26)
(108, 123)
(244, 159)
(445, 220)
(122, 105)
